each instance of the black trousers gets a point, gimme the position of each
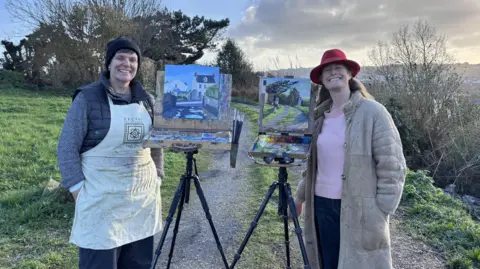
(327, 216)
(136, 255)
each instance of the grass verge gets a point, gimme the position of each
(244, 100)
(441, 221)
(304, 109)
(271, 113)
(266, 246)
(34, 228)
(289, 118)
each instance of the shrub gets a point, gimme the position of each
(11, 79)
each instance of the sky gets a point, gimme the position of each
(186, 74)
(299, 31)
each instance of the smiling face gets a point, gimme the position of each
(335, 77)
(124, 66)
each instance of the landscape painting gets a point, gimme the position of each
(286, 104)
(191, 92)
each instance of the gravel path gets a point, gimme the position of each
(300, 121)
(408, 253)
(195, 245)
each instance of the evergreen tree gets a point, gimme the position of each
(232, 60)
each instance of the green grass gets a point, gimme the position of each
(244, 100)
(250, 113)
(271, 113)
(304, 109)
(289, 118)
(441, 221)
(35, 228)
(266, 247)
(29, 124)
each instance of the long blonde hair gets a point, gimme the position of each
(354, 85)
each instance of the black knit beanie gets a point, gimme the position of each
(121, 43)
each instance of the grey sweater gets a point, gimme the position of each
(71, 140)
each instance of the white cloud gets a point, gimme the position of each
(306, 28)
(249, 16)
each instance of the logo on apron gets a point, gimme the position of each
(134, 131)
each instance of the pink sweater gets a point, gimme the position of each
(331, 156)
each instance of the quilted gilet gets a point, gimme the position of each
(98, 109)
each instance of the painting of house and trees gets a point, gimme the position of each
(286, 104)
(191, 92)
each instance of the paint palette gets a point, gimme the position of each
(297, 147)
(162, 138)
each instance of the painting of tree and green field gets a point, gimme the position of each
(286, 104)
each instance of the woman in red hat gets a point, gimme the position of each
(355, 175)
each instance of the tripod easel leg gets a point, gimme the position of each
(177, 221)
(254, 223)
(176, 199)
(287, 240)
(298, 229)
(283, 212)
(201, 196)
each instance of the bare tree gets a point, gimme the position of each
(35, 12)
(276, 69)
(415, 70)
(130, 9)
(76, 33)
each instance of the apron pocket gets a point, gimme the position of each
(375, 230)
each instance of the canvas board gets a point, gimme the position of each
(286, 105)
(191, 98)
(191, 92)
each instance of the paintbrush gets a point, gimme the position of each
(234, 122)
(238, 127)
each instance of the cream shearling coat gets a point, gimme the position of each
(373, 180)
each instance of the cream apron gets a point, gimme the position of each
(120, 200)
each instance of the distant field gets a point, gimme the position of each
(34, 229)
(472, 89)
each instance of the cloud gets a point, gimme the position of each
(308, 27)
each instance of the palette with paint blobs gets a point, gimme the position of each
(163, 138)
(297, 147)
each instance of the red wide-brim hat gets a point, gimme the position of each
(333, 56)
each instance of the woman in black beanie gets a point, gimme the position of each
(114, 180)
